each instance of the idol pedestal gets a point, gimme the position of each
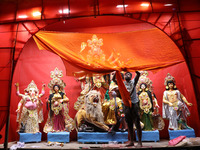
(62, 137)
(102, 137)
(185, 132)
(30, 137)
(149, 135)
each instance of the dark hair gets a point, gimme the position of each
(129, 73)
(107, 78)
(143, 84)
(57, 86)
(170, 81)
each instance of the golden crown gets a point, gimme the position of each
(169, 77)
(144, 80)
(56, 75)
(31, 85)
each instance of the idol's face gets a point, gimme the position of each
(114, 94)
(32, 92)
(56, 88)
(171, 85)
(143, 86)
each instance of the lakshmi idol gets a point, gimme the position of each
(58, 119)
(29, 111)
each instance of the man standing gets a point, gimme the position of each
(132, 113)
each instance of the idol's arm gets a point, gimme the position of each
(166, 101)
(20, 105)
(43, 91)
(20, 95)
(17, 90)
(156, 102)
(185, 100)
(65, 98)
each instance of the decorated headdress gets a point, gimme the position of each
(168, 78)
(144, 80)
(112, 86)
(32, 85)
(98, 80)
(56, 75)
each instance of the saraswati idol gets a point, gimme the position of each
(174, 105)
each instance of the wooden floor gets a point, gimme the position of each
(163, 144)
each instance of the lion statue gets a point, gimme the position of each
(91, 112)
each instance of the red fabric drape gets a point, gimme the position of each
(123, 92)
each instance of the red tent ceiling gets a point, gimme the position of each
(20, 19)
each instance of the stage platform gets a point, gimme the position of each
(161, 145)
(149, 135)
(102, 137)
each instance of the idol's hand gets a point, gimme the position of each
(170, 104)
(17, 84)
(189, 104)
(17, 110)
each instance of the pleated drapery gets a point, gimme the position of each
(103, 53)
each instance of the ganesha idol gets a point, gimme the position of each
(29, 111)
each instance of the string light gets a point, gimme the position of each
(121, 6)
(168, 4)
(145, 5)
(23, 16)
(65, 11)
(37, 13)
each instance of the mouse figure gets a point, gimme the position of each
(23, 127)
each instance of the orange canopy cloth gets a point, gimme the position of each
(103, 53)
